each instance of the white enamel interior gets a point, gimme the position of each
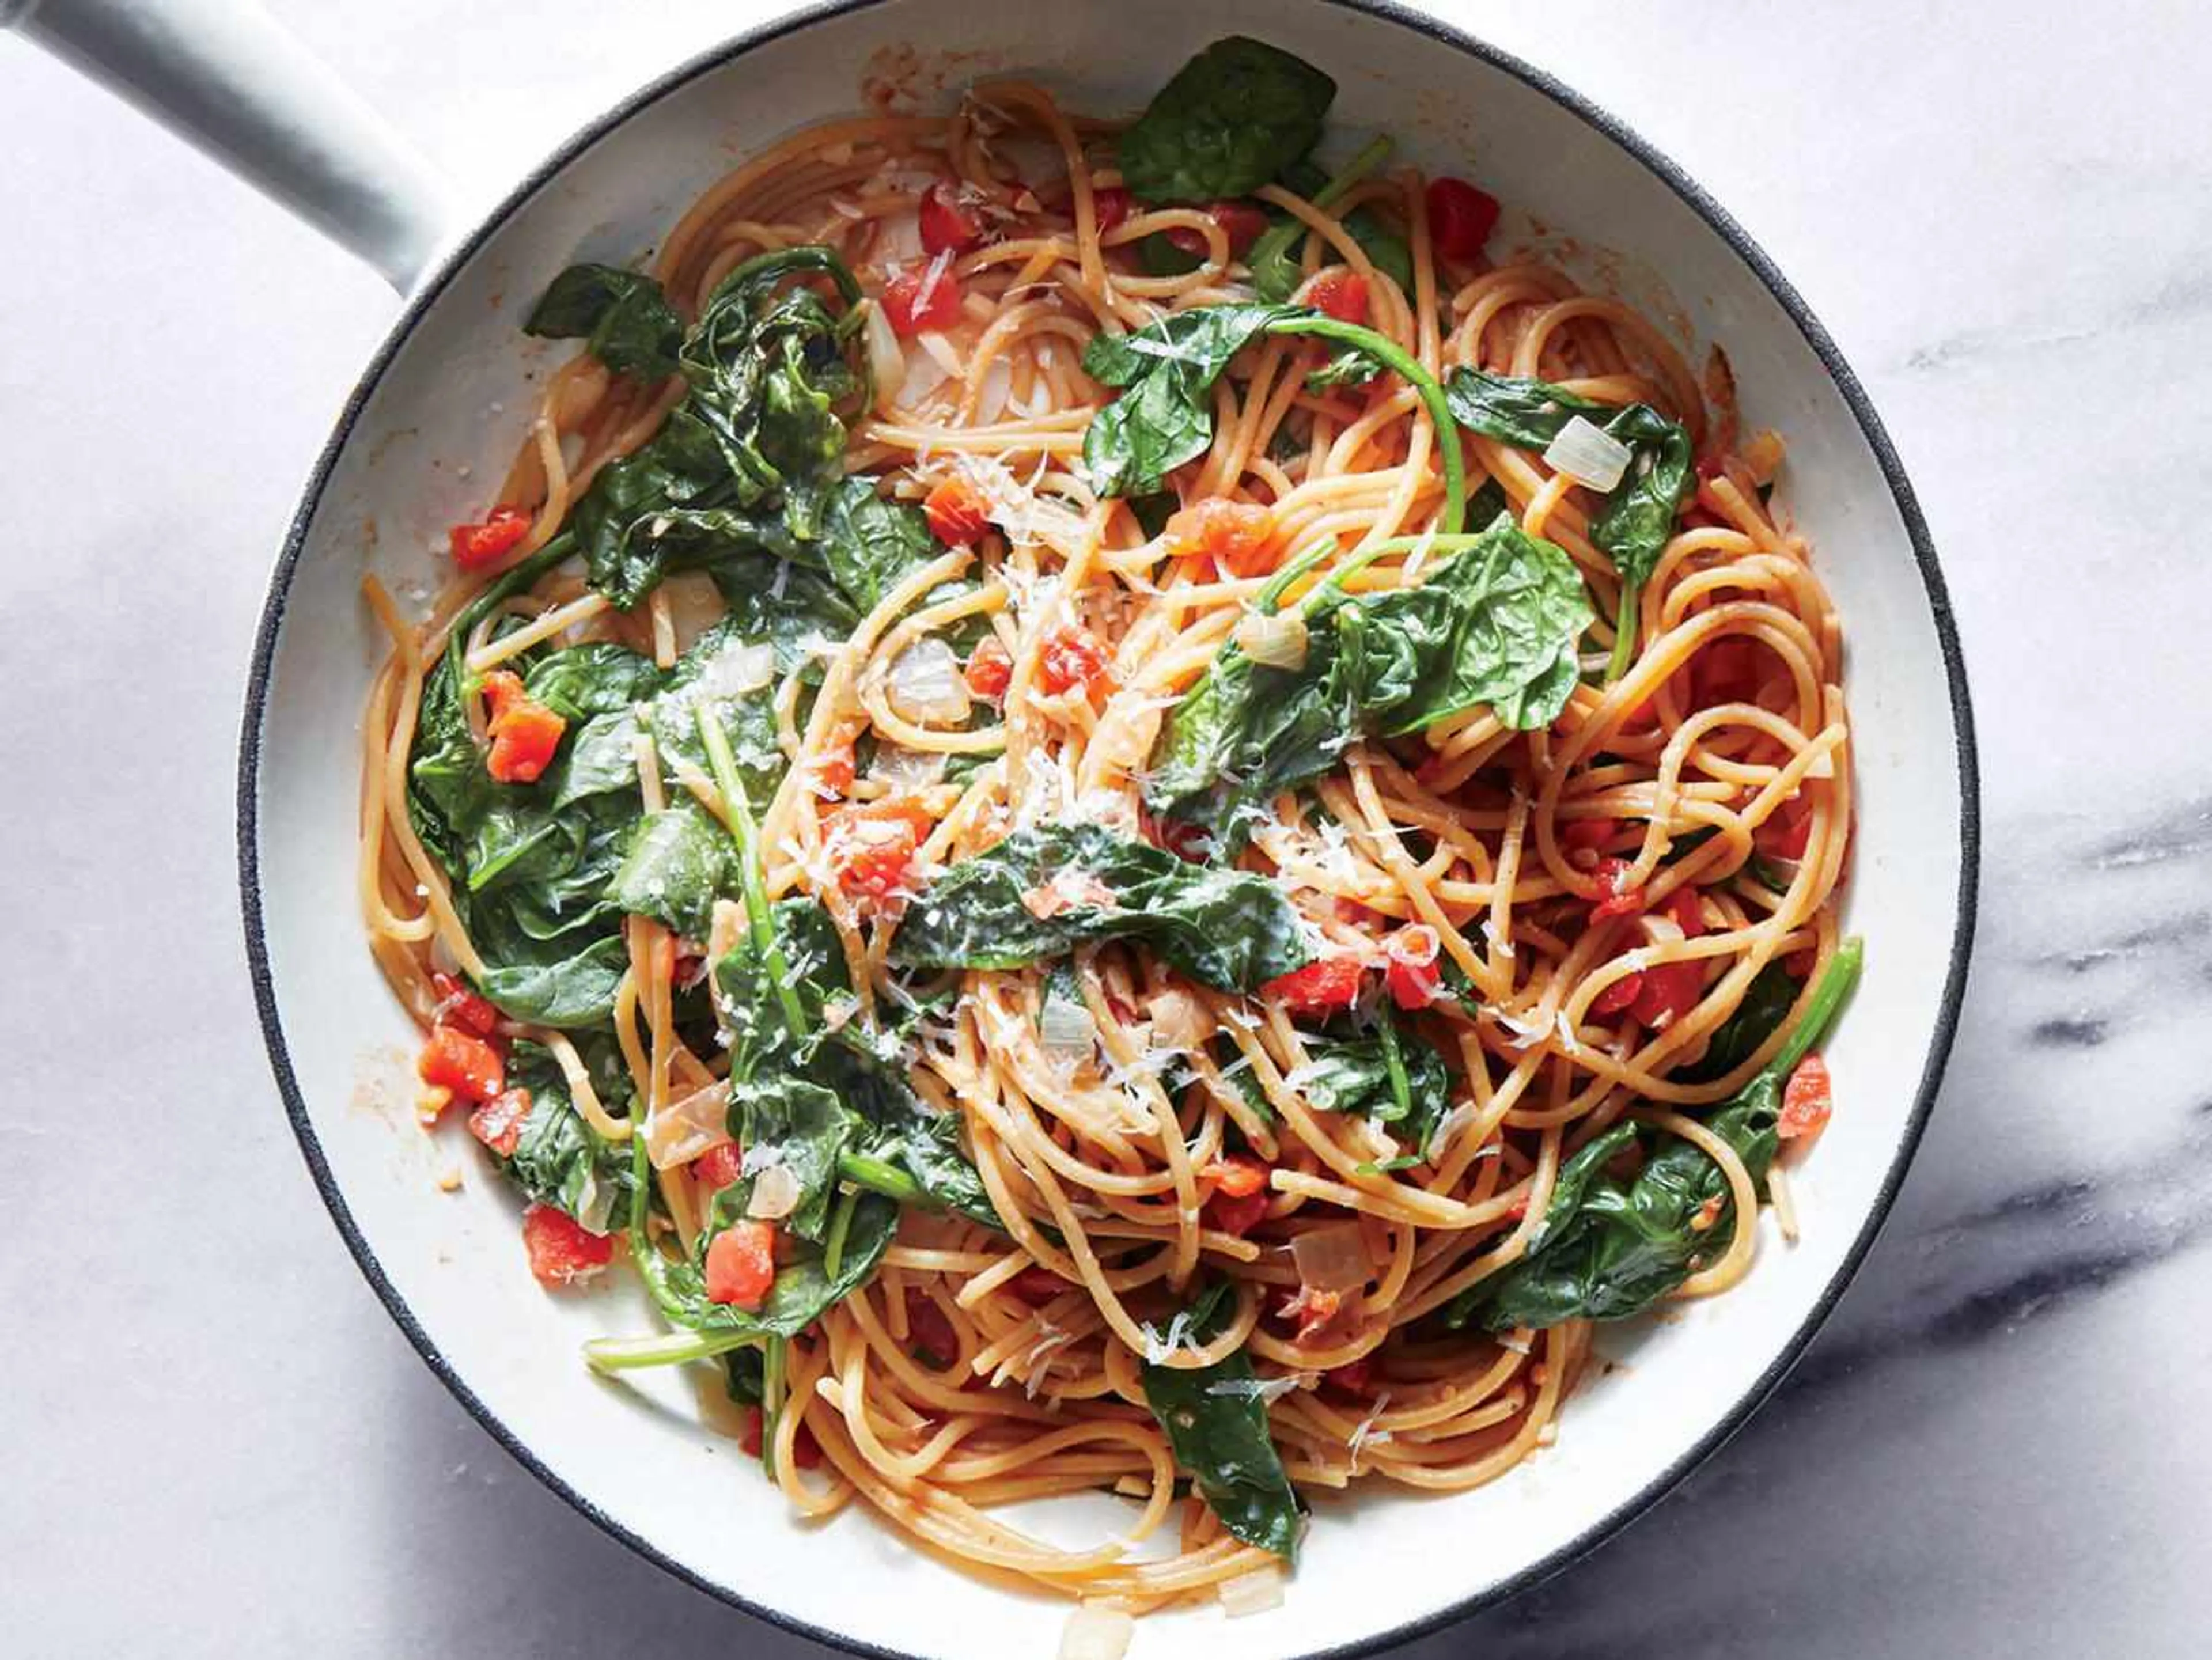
(428, 446)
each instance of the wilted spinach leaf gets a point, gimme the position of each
(1225, 928)
(559, 1159)
(1497, 624)
(1767, 1004)
(1608, 1248)
(1229, 121)
(1217, 1424)
(1351, 1074)
(1632, 528)
(622, 316)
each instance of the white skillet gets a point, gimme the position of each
(414, 452)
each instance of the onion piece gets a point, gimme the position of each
(1096, 1631)
(775, 1193)
(886, 356)
(739, 667)
(1588, 454)
(1067, 1028)
(926, 686)
(903, 768)
(683, 1129)
(1180, 1021)
(1332, 1258)
(1278, 640)
(1256, 1592)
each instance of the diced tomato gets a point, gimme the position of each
(1726, 671)
(1111, 206)
(1460, 218)
(1240, 221)
(498, 1123)
(915, 304)
(477, 545)
(1620, 995)
(1588, 834)
(929, 1331)
(1620, 901)
(468, 1066)
(741, 1264)
(1412, 974)
(1669, 991)
(872, 847)
(719, 1166)
(1787, 834)
(1320, 987)
(1236, 533)
(1353, 1378)
(957, 512)
(1036, 1284)
(1807, 1100)
(1185, 841)
(1800, 965)
(562, 1250)
(524, 733)
(1238, 1175)
(1235, 1213)
(990, 669)
(1071, 656)
(806, 1451)
(1312, 1308)
(459, 1007)
(834, 768)
(1340, 294)
(948, 224)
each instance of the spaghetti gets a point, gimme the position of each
(1349, 1208)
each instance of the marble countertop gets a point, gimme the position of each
(216, 1442)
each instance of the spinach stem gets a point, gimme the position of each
(1276, 241)
(1624, 631)
(841, 1224)
(1394, 357)
(510, 581)
(614, 1354)
(1297, 565)
(878, 1176)
(1394, 1058)
(738, 814)
(1843, 974)
(772, 1355)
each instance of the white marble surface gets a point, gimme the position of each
(215, 1442)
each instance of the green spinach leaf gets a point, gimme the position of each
(1225, 928)
(622, 316)
(559, 1159)
(1608, 1248)
(1497, 623)
(1230, 121)
(1632, 528)
(1217, 1424)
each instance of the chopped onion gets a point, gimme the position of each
(1067, 1028)
(926, 686)
(1279, 642)
(737, 669)
(683, 1129)
(775, 1193)
(729, 926)
(1332, 1258)
(1252, 1593)
(903, 768)
(1179, 1020)
(1588, 454)
(1095, 1632)
(886, 357)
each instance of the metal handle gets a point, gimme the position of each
(226, 75)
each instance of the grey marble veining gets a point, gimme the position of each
(215, 1442)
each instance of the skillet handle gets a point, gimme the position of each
(225, 76)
